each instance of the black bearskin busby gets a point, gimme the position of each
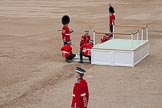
(65, 19)
(111, 9)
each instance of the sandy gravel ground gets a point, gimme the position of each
(34, 75)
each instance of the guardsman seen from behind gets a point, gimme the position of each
(80, 91)
(66, 51)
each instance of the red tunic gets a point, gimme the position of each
(66, 51)
(105, 38)
(86, 49)
(111, 19)
(85, 39)
(65, 33)
(80, 94)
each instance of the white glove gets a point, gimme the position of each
(74, 29)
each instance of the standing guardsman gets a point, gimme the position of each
(80, 90)
(111, 18)
(65, 29)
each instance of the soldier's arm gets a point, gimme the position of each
(77, 98)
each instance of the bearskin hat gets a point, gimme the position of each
(111, 9)
(65, 19)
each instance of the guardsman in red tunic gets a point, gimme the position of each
(65, 29)
(111, 18)
(105, 37)
(85, 38)
(66, 51)
(85, 50)
(80, 91)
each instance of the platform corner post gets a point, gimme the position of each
(94, 37)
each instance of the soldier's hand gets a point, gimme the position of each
(73, 30)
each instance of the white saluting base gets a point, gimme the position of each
(120, 52)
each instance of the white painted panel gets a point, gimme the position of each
(102, 56)
(123, 58)
(143, 51)
(120, 57)
(137, 54)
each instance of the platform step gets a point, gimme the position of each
(77, 58)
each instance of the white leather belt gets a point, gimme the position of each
(65, 52)
(84, 94)
(86, 50)
(67, 34)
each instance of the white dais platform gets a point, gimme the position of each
(122, 52)
(119, 52)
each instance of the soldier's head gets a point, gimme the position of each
(86, 33)
(106, 34)
(91, 42)
(65, 20)
(79, 72)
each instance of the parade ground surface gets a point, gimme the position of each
(33, 73)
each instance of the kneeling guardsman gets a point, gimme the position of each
(66, 51)
(85, 50)
(105, 37)
(85, 38)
